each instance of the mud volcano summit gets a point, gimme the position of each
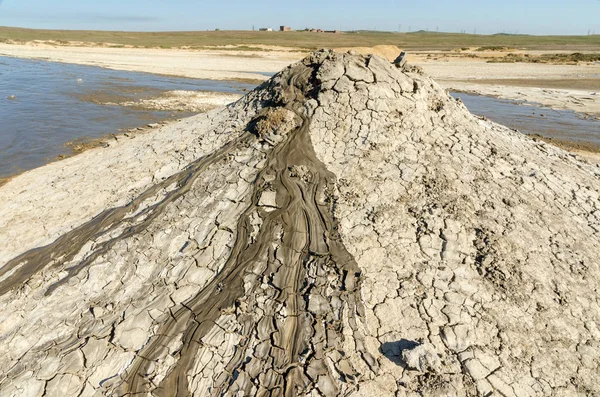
(346, 229)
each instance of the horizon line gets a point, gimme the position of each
(303, 30)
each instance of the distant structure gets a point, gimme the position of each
(285, 29)
(321, 31)
(265, 29)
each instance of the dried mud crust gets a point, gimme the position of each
(347, 229)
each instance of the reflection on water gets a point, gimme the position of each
(561, 124)
(54, 104)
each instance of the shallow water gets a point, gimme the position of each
(54, 104)
(531, 119)
(267, 74)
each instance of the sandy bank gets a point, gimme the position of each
(509, 81)
(582, 101)
(212, 65)
(181, 101)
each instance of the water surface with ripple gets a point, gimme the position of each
(54, 104)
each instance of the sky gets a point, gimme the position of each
(571, 17)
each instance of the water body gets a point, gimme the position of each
(532, 119)
(53, 104)
(266, 74)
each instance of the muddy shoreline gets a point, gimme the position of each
(85, 143)
(558, 99)
(48, 104)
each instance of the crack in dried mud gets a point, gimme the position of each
(21, 268)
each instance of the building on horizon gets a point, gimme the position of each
(312, 30)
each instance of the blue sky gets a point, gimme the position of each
(484, 16)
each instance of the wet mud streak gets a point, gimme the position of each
(289, 285)
(126, 219)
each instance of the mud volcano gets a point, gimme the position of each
(346, 229)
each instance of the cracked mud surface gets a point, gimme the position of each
(347, 229)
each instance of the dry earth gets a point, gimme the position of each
(347, 229)
(182, 101)
(212, 65)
